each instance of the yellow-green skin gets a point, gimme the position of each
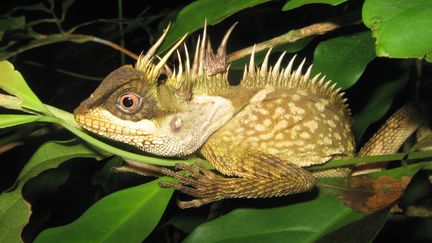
(295, 125)
(261, 135)
(281, 130)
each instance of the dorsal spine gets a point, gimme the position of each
(209, 73)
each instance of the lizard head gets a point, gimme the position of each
(155, 109)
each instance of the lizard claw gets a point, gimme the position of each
(201, 183)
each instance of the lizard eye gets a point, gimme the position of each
(129, 102)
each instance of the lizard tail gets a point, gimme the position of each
(389, 138)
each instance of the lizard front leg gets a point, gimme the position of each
(264, 176)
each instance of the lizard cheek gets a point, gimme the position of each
(175, 124)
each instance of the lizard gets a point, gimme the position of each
(260, 136)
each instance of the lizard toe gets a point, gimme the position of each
(194, 203)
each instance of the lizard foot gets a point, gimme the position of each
(201, 183)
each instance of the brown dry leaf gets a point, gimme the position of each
(10, 102)
(367, 195)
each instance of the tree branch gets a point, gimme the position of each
(295, 35)
(113, 45)
(43, 40)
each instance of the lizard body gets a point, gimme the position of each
(260, 135)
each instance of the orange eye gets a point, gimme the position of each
(129, 101)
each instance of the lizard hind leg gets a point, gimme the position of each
(270, 178)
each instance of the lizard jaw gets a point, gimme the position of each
(103, 123)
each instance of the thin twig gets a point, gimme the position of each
(43, 40)
(10, 146)
(418, 211)
(289, 37)
(295, 35)
(63, 71)
(56, 20)
(110, 44)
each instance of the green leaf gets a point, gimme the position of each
(375, 158)
(35, 7)
(12, 82)
(9, 137)
(11, 102)
(363, 230)
(344, 59)
(105, 178)
(379, 101)
(51, 154)
(14, 210)
(11, 24)
(399, 172)
(14, 120)
(65, 6)
(185, 221)
(425, 143)
(401, 29)
(46, 184)
(291, 4)
(192, 17)
(306, 221)
(129, 214)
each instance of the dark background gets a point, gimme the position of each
(39, 65)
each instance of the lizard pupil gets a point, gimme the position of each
(128, 102)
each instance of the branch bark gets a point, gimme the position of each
(295, 35)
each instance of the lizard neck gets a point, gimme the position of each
(184, 132)
(239, 97)
(187, 130)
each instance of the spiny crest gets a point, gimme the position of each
(145, 63)
(207, 74)
(277, 77)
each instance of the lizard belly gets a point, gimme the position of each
(296, 126)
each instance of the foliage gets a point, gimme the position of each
(380, 59)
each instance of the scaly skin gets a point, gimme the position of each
(265, 145)
(261, 135)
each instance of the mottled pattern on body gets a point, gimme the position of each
(294, 125)
(259, 135)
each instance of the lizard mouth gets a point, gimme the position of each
(105, 128)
